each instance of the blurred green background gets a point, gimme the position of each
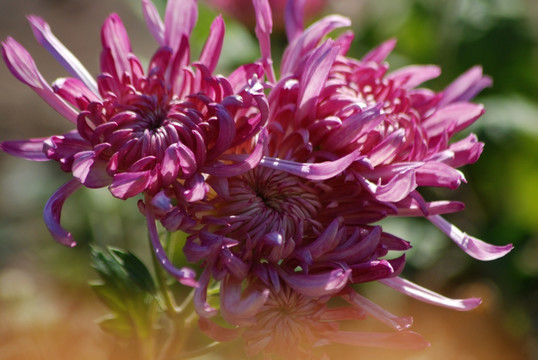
(46, 307)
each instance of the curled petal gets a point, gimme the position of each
(313, 171)
(184, 275)
(202, 307)
(239, 307)
(53, 210)
(418, 292)
(128, 184)
(317, 285)
(399, 187)
(69, 61)
(472, 246)
(89, 169)
(31, 149)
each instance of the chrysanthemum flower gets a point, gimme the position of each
(143, 132)
(348, 145)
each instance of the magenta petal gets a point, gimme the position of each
(398, 187)
(71, 90)
(31, 149)
(313, 171)
(213, 45)
(184, 275)
(153, 21)
(294, 19)
(90, 170)
(314, 76)
(438, 174)
(472, 246)
(452, 118)
(114, 38)
(466, 86)
(376, 311)
(394, 340)
(239, 307)
(126, 185)
(414, 75)
(264, 26)
(179, 20)
(418, 292)
(317, 285)
(46, 38)
(381, 52)
(53, 210)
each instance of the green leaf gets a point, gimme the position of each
(135, 269)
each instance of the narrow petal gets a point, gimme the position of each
(294, 19)
(202, 307)
(472, 246)
(465, 87)
(264, 26)
(381, 52)
(313, 171)
(184, 275)
(31, 149)
(114, 38)
(153, 21)
(376, 311)
(46, 38)
(314, 76)
(399, 187)
(418, 292)
(23, 67)
(211, 52)
(452, 118)
(53, 212)
(74, 92)
(411, 76)
(179, 20)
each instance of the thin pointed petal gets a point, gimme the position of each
(179, 20)
(53, 211)
(472, 246)
(153, 21)
(213, 45)
(31, 149)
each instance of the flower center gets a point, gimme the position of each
(264, 201)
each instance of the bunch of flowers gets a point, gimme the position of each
(279, 182)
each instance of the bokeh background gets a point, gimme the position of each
(47, 310)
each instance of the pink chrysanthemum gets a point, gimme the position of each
(137, 132)
(348, 145)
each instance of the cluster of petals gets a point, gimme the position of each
(143, 132)
(278, 182)
(348, 144)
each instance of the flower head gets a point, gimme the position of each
(143, 131)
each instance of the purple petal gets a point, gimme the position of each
(31, 149)
(452, 118)
(73, 91)
(179, 20)
(46, 38)
(411, 76)
(23, 67)
(381, 52)
(376, 311)
(472, 246)
(418, 292)
(213, 45)
(466, 86)
(202, 307)
(239, 307)
(126, 185)
(177, 156)
(309, 40)
(243, 166)
(294, 19)
(90, 170)
(317, 285)
(153, 21)
(53, 211)
(184, 275)
(313, 171)
(115, 39)
(314, 76)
